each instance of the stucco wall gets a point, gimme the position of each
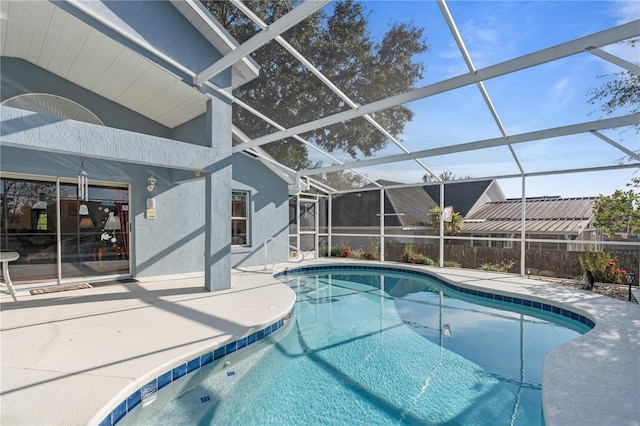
(269, 212)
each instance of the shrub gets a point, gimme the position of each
(409, 256)
(450, 264)
(604, 267)
(503, 266)
(342, 250)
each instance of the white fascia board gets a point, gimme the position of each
(246, 67)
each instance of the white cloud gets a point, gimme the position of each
(627, 11)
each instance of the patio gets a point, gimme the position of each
(71, 357)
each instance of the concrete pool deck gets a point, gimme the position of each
(67, 357)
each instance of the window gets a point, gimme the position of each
(239, 218)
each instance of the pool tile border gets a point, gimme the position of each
(518, 301)
(148, 391)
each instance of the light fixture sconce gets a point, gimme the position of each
(83, 190)
(151, 183)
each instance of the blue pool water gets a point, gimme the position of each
(364, 348)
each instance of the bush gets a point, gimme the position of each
(450, 264)
(409, 256)
(503, 266)
(342, 250)
(604, 267)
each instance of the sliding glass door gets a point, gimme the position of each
(59, 238)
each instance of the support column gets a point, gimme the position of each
(441, 240)
(217, 249)
(523, 230)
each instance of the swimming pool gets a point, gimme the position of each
(366, 348)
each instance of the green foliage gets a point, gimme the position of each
(621, 92)
(341, 46)
(454, 227)
(410, 256)
(450, 264)
(343, 250)
(446, 175)
(604, 267)
(503, 266)
(619, 212)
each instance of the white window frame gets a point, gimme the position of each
(246, 218)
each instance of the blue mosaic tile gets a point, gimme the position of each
(205, 399)
(230, 348)
(106, 421)
(192, 365)
(537, 305)
(526, 302)
(251, 338)
(149, 389)
(133, 400)
(219, 353)
(164, 379)
(546, 307)
(242, 343)
(179, 371)
(119, 412)
(206, 359)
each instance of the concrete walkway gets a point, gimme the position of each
(67, 355)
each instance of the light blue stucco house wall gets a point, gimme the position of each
(189, 155)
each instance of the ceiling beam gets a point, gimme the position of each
(298, 14)
(612, 35)
(608, 123)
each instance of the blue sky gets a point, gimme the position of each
(551, 95)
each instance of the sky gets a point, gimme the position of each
(550, 95)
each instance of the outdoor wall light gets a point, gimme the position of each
(83, 190)
(151, 183)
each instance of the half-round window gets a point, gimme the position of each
(57, 106)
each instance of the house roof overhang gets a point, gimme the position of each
(73, 41)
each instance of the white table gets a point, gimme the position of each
(5, 258)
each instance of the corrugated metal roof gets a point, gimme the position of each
(544, 215)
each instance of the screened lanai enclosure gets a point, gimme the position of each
(455, 133)
(491, 150)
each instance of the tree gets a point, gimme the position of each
(619, 212)
(453, 227)
(339, 45)
(446, 175)
(621, 92)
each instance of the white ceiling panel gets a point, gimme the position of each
(52, 39)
